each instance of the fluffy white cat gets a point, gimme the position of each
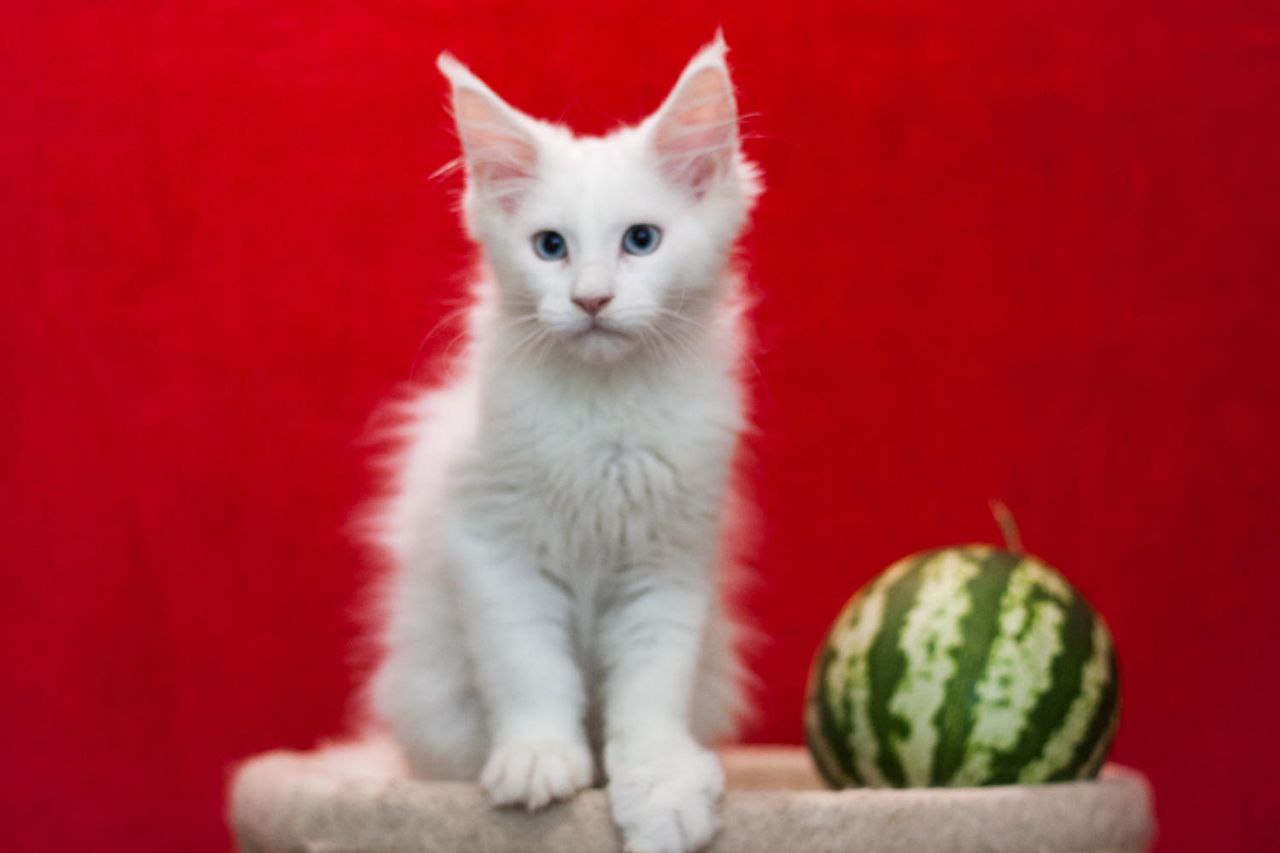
(559, 521)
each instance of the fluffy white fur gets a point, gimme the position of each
(559, 522)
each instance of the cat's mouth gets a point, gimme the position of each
(598, 329)
(601, 342)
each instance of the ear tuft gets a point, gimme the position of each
(498, 142)
(449, 65)
(695, 133)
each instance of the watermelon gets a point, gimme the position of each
(963, 666)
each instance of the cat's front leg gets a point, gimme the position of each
(664, 786)
(517, 626)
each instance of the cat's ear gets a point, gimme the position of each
(694, 134)
(499, 145)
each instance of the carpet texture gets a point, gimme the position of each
(355, 798)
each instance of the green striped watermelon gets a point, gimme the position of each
(963, 666)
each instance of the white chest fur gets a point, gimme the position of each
(594, 475)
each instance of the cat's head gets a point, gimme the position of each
(605, 245)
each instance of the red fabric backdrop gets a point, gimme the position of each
(1013, 249)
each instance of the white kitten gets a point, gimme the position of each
(559, 521)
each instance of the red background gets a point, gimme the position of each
(1015, 249)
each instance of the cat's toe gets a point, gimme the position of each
(533, 773)
(668, 801)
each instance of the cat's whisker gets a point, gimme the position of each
(460, 337)
(670, 348)
(682, 318)
(449, 317)
(545, 345)
(517, 322)
(529, 339)
(683, 344)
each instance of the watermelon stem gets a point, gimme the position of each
(1008, 526)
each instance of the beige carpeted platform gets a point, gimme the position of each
(354, 798)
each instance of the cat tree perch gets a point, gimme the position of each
(356, 797)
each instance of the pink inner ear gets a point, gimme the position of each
(695, 135)
(499, 153)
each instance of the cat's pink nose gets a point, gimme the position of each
(592, 304)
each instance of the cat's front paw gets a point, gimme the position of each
(535, 772)
(665, 797)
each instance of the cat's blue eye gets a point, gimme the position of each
(641, 239)
(550, 245)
